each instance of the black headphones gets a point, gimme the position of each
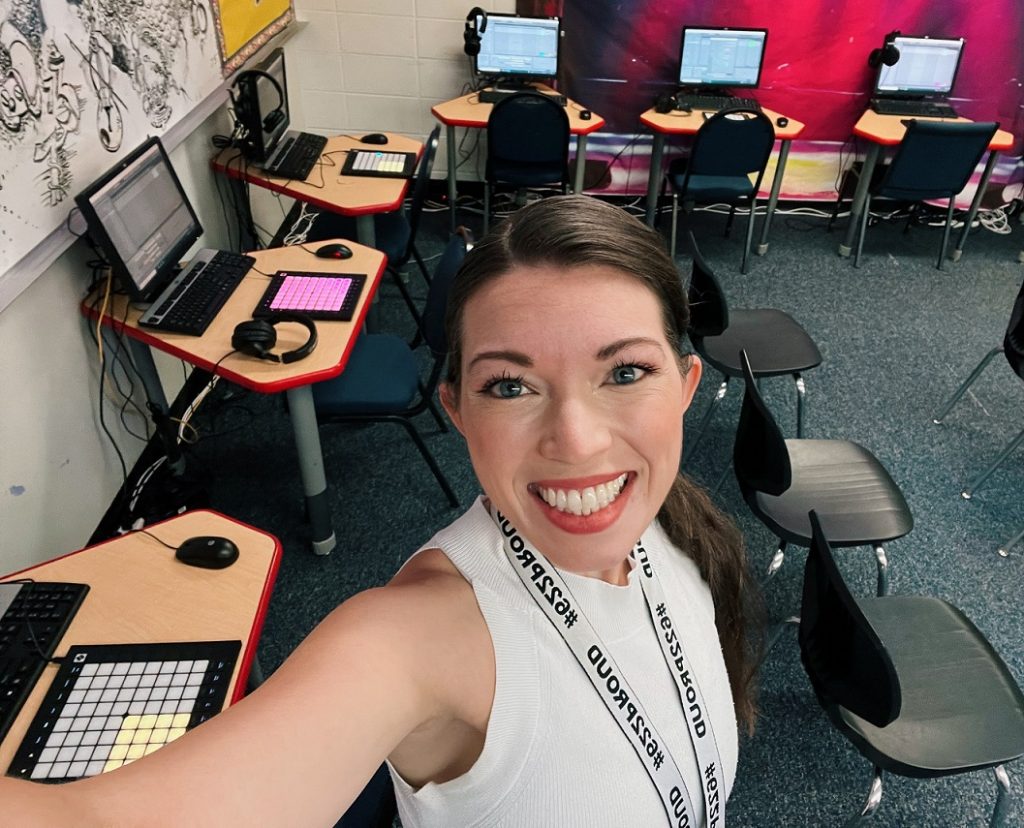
(242, 101)
(471, 36)
(887, 54)
(256, 337)
(665, 102)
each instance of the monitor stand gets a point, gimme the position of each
(512, 85)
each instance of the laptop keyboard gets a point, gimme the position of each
(198, 293)
(494, 95)
(716, 102)
(926, 109)
(297, 157)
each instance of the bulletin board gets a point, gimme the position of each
(243, 26)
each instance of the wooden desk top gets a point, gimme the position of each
(350, 195)
(687, 123)
(334, 339)
(139, 593)
(888, 130)
(467, 111)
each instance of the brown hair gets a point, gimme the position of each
(569, 231)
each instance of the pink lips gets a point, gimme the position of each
(583, 524)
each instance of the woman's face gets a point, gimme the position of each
(572, 403)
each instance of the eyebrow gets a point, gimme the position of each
(521, 359)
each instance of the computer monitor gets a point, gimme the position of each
(141, 220)
(519, 48)
(926, 66)
(260, 109)
(721, 57)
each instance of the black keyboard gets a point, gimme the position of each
(190, 302)
(494, 95)
(33, 617)
(716, 102)
(297, 156)
(925, 109)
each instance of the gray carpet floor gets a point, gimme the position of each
(897, 335)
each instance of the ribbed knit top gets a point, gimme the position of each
(553, 755)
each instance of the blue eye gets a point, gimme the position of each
(626, 374)
(504, 387)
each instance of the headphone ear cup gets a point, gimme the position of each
(665, 102)
(471, 40)
(255, 337)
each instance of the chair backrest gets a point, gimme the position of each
(437, 297)
(759, 457)
(420, 187)
(1013, 342)
(528, 130)
(935, 159)
(731, 143)
(842, 654)
(709, 312)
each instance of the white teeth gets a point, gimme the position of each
(584, 501)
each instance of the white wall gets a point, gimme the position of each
(379, 65)
(58, 471)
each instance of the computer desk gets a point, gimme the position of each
(688, 123)
(350, 195)
(210, 353)
(887, 131)
(468, 111)
(140, 594)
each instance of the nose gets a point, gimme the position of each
(575, 430)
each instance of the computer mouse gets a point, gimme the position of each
(334, 251)
(375, 138)
(586, 114)
(782, 121)
(207, 551)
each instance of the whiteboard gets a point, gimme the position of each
(81, 84)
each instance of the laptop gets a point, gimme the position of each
(921, 80)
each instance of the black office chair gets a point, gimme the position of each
(381, 381)
(395, 233)
(908, 680)
(527, 145)
(1013, 349)
(934, 160)
(778, 345)
(782, 480)
(729, 148)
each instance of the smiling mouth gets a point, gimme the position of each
(582, 502)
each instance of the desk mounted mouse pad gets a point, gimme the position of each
(318, 295)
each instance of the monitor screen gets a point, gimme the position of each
(721, 57)
(525, 47)
(141, 220)
(259, 109)
(926, 66)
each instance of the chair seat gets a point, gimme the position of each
(521, 174)
(775, 343)
(961, 708)
(381, 376)
(855, 498)
(714, 187)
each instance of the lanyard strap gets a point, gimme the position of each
(555, 599)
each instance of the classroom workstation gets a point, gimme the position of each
(256, 356)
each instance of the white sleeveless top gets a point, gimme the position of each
(553, 755)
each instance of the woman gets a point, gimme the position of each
(535, 663)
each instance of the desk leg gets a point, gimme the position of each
(859, 197)
(449, 139)
(311, 468)
(581, 163)
(654, 177)
(773, 198)
(142, 358)
(367, 234)
(240, 197)
(975, 204)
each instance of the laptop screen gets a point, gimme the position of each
(926, 66)
(720, 57)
